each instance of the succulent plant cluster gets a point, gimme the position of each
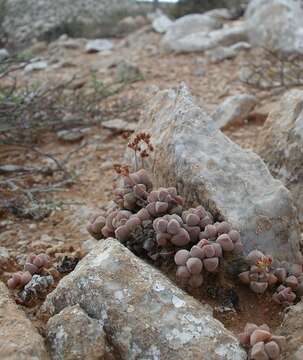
(262, 344)
(263, 275)
(34, 265)
(150, 220)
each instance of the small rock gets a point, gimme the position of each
(72, 334)
(70, 135)
(127, 72)
(94, 46)
(36, 66)
(162, 23)
(119, 125)
(20, 340)
(4, 256)
(234, 109)
(3, 54)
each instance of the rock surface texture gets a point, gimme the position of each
(209, 169)
(276, 24)
(292, 328)
(115, 287)
(19, 340)
(281, 144)
(72, 334)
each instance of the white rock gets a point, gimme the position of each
(3, 54)
(276, 24)
(36, 66)
(98, 45)
(234, 109)
(4, 256)
(201, 41)
(145, 316)
(187, 25)
(209, 169)
(119, 125)
(161, 23)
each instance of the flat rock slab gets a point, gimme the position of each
(19, 339)
(145, 316)
(207, 168)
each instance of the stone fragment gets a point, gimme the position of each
(161, 23)
(116, 288)
(207, 168)
(119, 125)
(72, 334)
(19, 338)
(234, 109)
(36, 66)
(97, 45)
(4, 54)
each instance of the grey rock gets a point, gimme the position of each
(89, 244)
(292, 328)
(70, 135)
(119, 125)
(162, 23)
(145, 316)
(127, 72)
(221, 53)
(19, 338)
(187, 25)
(36, 66)
(4, 256)
(276, 24)
(207, 168)
(234, 109)
(73, 335)
(280, 144)
(202, 41)
(3, 54)
(98, 45)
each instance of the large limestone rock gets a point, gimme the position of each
(276, 24)
(144, 315)
(204, 40)
(208, 168)
(25, 20)
(281, 144)
(19, 340)
(73, 335)
(292, 328)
